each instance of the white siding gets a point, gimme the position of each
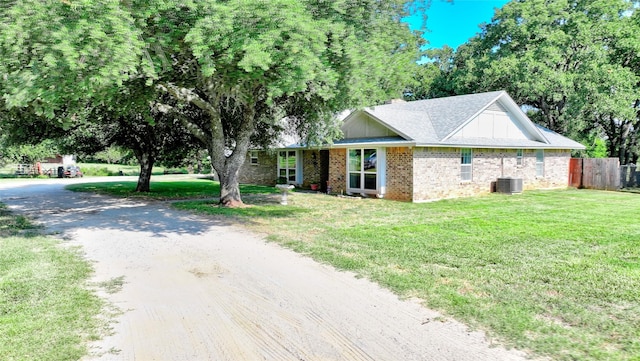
(363, 126)
(494, 123)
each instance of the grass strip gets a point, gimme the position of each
(165, 189)
(46, 310)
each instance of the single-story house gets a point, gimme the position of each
(425, 150)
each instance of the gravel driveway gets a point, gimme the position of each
(202, 289)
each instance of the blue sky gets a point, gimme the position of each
(453, 23)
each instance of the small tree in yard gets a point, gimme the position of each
(134, 123)
(244, 64)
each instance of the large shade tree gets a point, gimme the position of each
(245, 64)
(249, 64)
(567, 61)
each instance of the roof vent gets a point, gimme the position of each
(509, 185)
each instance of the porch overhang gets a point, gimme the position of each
(372, 142)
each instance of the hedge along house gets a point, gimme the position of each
(427, 150)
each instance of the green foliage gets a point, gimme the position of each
(574, 64)
(245, 66)
(25, 153)
(254, 64)
(57, 54)
(113, 154)
(597, 148)
(433, 79)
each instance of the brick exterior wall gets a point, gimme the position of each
(399, 174)
(556, 170)
(263, 173)
(310, 167)
(338, 170)
(424, 174)
(437, 171)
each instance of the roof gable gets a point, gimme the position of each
(497, 122)
(490, 120)
(360, 124)
(441, 115)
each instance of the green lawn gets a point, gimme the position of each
(100, 169)
(166, 189)
(553, 272)
(47, 311)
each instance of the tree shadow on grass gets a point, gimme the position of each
(62, 211)
(256, 206)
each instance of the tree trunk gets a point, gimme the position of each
(230, 187)
(146, 161)
(228, 167)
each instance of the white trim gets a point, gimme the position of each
(541, 164)
(253, 154)
(475, 146)
(372, 145)
(506, 101)
(380, 170)
(298, 167)
(470, 166)
(464, 124)
(519, 158)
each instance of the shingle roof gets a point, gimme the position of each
(432, 121)
(433, 118)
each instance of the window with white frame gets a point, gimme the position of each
(540, 163)
(363, 169)
(466, 159)
(287, 165)
(519, 157)
(253, 157)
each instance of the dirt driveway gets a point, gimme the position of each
(200, 289)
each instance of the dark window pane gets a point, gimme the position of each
(370, 181)
(354, 180)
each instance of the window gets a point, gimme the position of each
(253, 155)
(466, 157)
(540, 163)
(519, 154)
(287, 165)
(363, 169)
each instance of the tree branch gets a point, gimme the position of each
(187, 95)
(193, 128)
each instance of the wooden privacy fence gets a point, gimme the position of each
(595, 173)
(629, 176)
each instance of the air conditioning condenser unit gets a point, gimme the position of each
(509, 185)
